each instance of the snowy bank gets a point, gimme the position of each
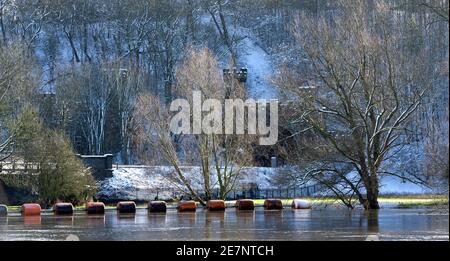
(150, 182)
(161, 182)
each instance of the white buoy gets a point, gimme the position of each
(301, 204)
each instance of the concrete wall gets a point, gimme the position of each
(101, 165)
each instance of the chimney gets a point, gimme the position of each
(273, 162)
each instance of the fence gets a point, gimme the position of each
(19, 167)
(253, 193)
(281, 193)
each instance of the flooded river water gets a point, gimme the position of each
(327, 224)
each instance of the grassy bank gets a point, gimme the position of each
(395, 201)
(403, 202)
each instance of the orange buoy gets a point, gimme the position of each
(63, 209)
(215, 205)
(95, 208)
(245, 204)
(126, 207)
(271, 204)
(187, 206)
(157, 206)
(301, 204)
(31, 210)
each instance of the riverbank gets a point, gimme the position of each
(401, 202)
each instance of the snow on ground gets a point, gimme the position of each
(254, 58)
(397, 186)
(391, 185)
(260, 69)
(126, 182)
(405, 162)
(150, 182)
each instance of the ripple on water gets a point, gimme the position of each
(388, 224)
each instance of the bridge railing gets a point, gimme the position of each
(18, 167)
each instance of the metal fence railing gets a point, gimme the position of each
(281, 193)
(253, 193)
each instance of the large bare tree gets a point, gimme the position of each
(367, 90)
(220, 157)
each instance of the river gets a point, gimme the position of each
(325, 224)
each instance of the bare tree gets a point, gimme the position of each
(89, 90)
(17, 88)
(221, 157)
(24, 20)
(367, 91)
(200, 72)
(128, 85)
(217, 12)
(439, 8)
(436, 165)
(151, 119)
(2, 23)
(220, 154)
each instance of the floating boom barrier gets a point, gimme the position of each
(245, 204)
(301, 204)
(31, 209)
(93, 208)
(126, 207)
(273, 204)
(215, 205)
(63, 209)
(185, 206)
(157, 206)
(99, 208)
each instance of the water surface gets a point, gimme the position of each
(327, 224)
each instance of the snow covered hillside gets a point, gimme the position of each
(253, 57)
(149, 182)
(260, 69)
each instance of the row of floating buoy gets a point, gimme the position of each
(129, 207)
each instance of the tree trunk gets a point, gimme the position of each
(370, 182)
(372, 201)
(372, 193)
(2, 26)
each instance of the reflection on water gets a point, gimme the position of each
(32, 221)
(95, 221)
(327, 224)
(245, 217)
(159, 219)
(61, 222)
(372, 221)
